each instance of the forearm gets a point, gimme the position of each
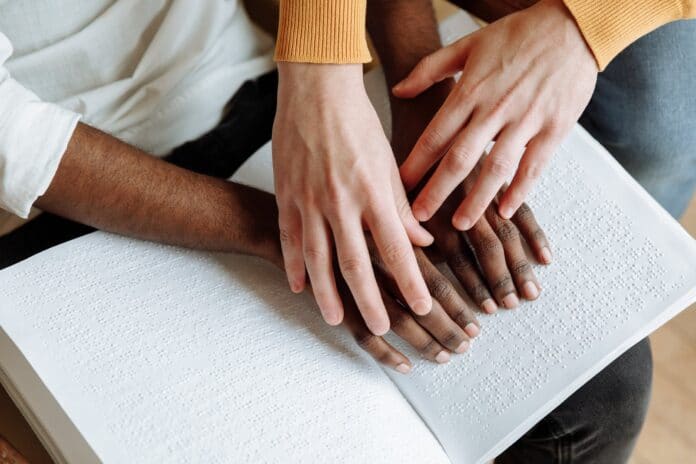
(403, 32)
(108, 184)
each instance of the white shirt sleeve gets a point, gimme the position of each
(33, 137)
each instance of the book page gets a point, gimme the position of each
(159, 354)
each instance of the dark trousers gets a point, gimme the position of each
(598, 424)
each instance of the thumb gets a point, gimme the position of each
(417, 234)
(432, 69)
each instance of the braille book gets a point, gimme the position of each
(118, 350)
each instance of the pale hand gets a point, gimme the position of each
(525, 81)
(336, 178)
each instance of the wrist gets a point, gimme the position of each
(314, 78)
(251, 225)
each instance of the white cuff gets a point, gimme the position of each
(33, 137)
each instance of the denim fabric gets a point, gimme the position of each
(644, 112)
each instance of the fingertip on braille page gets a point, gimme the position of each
(442, 357)
(531, 291)
(403, 368)
(489, 306)
(472, 330)
(511, 301)
(545, 255)
(463, 347)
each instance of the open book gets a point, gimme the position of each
(118, 350)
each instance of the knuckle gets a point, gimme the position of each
(451, 338)
(430, 140)
(315, 255)
(352, 267)
(521, 267)
(479, 292)
(500, 166)
(488, 246)
(503, 283)
(287, 237)
(441, 289)
(459, 159)
(539, 235)
(505, 231)
(460, 262)
(395, 253)
(531, 170)
(524, 213)
(428, 347)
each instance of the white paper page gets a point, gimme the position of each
(159, 354)
(622, 267)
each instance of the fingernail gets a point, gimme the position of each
(531, 290)
(545, 255)
(422, 307)
(463, 346)
(510, 301)
(420, 213)
(403, 368)
(489, 306)
(442, 357)
(505, 212)
(398, 87)
(472, 330)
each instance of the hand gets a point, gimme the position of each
(335, 175)
(503, 273)
(525, 81)
(448, 328)
(489, 260)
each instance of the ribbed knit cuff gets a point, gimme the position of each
(322, 31)
(609, 26)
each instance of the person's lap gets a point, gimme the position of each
(643, 111)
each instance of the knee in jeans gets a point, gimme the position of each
(626, 391)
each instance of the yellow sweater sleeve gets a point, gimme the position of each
(322, 31)
(609, 26)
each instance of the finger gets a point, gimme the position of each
(433, 68)
(456, 165)
(515, 256)
(290, 225)
(399, 259)
(435, 139)
(317, 252)
(539, 151)
(457, 312)
(463, 265)
(533, 234)
(375, 346)
(491, 257)
(405, 326)
(417, 234)
(356, 268)
(496, 169)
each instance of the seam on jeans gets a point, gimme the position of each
(563, 439)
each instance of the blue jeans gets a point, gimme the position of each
(644, 112)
